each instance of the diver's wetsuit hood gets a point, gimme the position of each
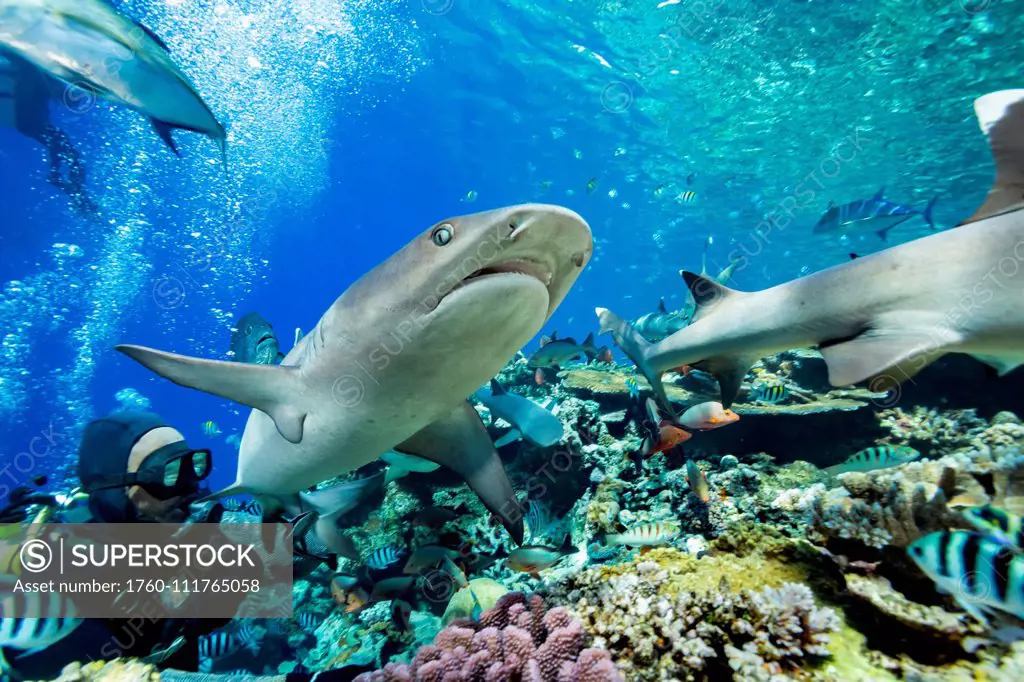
(106, 445)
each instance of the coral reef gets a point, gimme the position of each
(118, 670)
(697, 635)
(518, 639)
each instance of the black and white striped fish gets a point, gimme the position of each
(247, 507)
(999, 524)
(984, 575)
(58, 618)
(384, 557)
(217, 645)
(309, 621)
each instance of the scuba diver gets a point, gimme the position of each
(133, 468)
(25, 94)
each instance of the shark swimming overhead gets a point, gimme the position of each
(392, 361)
(91, 47)
(882, 317)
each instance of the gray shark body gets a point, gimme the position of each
(96, 50)
(391, 363)
(883, 317)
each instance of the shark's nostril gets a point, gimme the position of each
(577, 259)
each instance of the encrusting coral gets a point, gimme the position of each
(518, 639)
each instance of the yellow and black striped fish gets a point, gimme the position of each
(771, 393)
(982, 573)
(881, 457)
(998, 524)
(687, 197)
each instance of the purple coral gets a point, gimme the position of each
(518, 639)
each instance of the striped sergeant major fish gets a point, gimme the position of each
(984, 576)
(880, 457)
(218, 645)
(771, 393)
(384, 557)
(33, 634)
(998, 524)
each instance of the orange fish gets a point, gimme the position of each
(669, 435)
(538, 377)
(706, 416)
(605, 355)
(356, 601)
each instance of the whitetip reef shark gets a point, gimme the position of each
(882, 317)
(90, 46)
(390, 365)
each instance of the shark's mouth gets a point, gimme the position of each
(530, 268)
(516, 267)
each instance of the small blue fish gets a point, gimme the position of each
(477, 609)
(211, 429)
(771, 393)
(234, 440)
(384, 557)
(634, 388)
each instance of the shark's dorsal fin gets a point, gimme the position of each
(706, 292)
(729, 370)
(880, 194)
(496, 388)
(1001, 117)
(266, 388)
(661, 306)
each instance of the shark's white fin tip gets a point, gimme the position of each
(1001, 117)
(993, 107)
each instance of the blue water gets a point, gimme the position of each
(353, 126)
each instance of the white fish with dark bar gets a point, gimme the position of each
(882, 317)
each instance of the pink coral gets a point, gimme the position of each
(516, 640)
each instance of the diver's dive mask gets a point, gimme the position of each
(174, 470)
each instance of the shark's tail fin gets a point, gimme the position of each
(1001, 117)
(635, 347)
(729, 370)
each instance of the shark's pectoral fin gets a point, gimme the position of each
(1003, 364)
(729, 370)
(266, 388)
(886, 356)
(1001, 117)
(459, 441)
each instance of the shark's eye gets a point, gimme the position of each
(442, 235)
